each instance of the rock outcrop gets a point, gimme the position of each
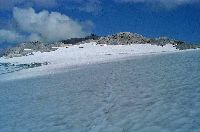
(122, 38)
(87, 39)
(126, 38)
(27, 48)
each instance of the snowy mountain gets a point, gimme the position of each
(122, 38)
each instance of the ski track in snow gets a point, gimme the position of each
(109, 101)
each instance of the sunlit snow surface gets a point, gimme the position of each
(147, 94)
(76, 55)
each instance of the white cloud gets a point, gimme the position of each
(10, 36)
(34, 37)
(164, 3)
(48, 26)
(44, 26)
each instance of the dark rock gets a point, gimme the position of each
(122, 38)
(78, 40)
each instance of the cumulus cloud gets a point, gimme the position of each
(164, 3)
(44, 26)
(48, 26)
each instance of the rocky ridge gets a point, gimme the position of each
(125, 38)
(122, 38)
(28, 48)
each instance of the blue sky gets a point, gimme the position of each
(53, 20)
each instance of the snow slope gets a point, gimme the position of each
(152, 94)
(84, 54)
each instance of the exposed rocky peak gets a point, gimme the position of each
(123, 38)
(126, 38)
(128, 35)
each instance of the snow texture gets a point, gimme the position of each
(149, 93)
(83, 54)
